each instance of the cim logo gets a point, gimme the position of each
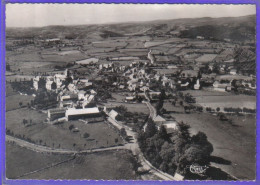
(197, 169)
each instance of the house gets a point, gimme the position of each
(233, 72)
(129, 98)
(170, 125)
(56, 113)
(197, 85)
(132, 87)
(159, 120)
(221, 86)
(81, 95)
(113, 114)
(200, 37)
(72, 113)
(144, 88)
(35, 82)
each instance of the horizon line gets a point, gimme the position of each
(127, 22)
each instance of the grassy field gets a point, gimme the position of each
(131, 107)
(33, 59)
(114, 165)
(235, 101)
(216, 99)
(13, 100)
(59, 136)
(232, 142)
(20, 160)
(9, 90)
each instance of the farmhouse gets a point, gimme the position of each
(171, 124)
(56, 113)
(159, 120)
(74, 114)
(113, 114)
(233, 72)
(130, 98)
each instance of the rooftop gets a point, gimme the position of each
(72, 111)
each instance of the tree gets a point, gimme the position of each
(184, 130)
(54, 86)
(71, 127)
(200, 139)
(186, 109)
(85, 135)
(123, 132)
(159, 106)
(25, 121)
(217, 109)
(42, 83)
(163, 133)
(151, 129)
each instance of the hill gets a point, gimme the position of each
(236, 29)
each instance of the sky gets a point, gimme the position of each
(38, 15)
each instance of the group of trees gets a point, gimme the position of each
(159, 104)
(44, 99)
(239, 110)
(188, 98)
(174, 153)
(23, 86)
(133, 119)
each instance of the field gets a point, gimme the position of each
(234, 101)
(107, 165)
(20, 160)
(59, 136)
(131, 107)
(114, 165)
(234, 143)
(13, 100)
(33, 59)
(231, 77)
(216, 99)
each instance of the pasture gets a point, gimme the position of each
(21, 160)
(233, 142)
(109, 165)
(60, 136)
(234, 101)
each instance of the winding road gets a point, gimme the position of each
(133, 146)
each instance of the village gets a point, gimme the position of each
(132, 97)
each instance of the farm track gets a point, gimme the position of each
(44, 149)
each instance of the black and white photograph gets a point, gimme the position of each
(130, 92)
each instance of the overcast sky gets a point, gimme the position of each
(37, 15)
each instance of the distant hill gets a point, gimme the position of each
(234, 28)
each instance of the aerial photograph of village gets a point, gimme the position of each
(117, 92)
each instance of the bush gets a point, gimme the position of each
(86, 135)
